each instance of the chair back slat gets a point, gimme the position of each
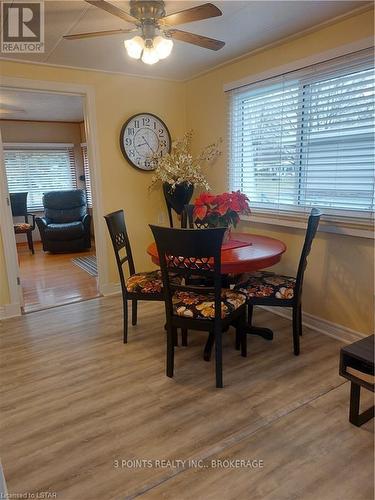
(312, 228)
(188, 252)
(120, 240)
(18, 204)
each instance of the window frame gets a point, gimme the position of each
(50, 147)
(355, 221)
(86, 173)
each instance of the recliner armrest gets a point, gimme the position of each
(86, 220)
(42, 224)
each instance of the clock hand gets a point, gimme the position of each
(143, 144)
(144, 138)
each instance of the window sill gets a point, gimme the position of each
(359, 229)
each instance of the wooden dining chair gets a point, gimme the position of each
(138, 286)
(18, 203)
(203, 308)
(270, 289)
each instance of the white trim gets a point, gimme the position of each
(89, 108)
(342, 50)
(321, 325)
(36, 145)
(10, 311)
(326, 225)
(9, 244)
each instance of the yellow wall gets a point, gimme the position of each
(339, 284)
(339, 279)
(118, 97)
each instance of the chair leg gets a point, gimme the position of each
(296, 330)
(300, 319)
(208, 347)
(30, 241)
(218, 358)
(134, 312)
(184, 336)
(242, 333)
(175, 337)
(238, 337)
(125, 307)
(171, 333)
(250, 309)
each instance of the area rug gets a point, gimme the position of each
(88, 264)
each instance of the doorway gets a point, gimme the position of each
(45, 149)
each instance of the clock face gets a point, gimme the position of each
(143, 138)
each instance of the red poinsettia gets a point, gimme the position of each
(222, 209)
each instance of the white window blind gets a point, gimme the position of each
(86, 172)
(38, 169)
(307, 138)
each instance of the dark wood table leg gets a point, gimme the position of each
(355, 417)
(265, 333)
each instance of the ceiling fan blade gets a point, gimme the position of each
(112, 9)
(202, 41)
(198, 13)
(93, 34)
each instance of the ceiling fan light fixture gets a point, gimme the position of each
(134, 47)
(150, 55)
(163, 46)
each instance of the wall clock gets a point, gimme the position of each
(143, 137)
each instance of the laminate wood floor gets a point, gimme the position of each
(75, 402)
(52, 279)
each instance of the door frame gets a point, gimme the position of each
(9, 243)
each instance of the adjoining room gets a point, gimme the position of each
(46, 166)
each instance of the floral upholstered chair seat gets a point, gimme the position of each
(196, 306)
(266, 284)
(21, 227)
(147, 282)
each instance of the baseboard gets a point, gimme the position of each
(110, 289)
(10, 311)
(321, 325)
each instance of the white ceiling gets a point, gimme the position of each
(244, 26)
(20, 105)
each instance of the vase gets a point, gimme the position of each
(178, 197)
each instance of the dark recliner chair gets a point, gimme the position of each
(66, 224)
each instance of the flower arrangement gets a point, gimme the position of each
(180, 166)
(222, 210)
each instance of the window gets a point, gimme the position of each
(307, 139)
(86, 172)
(39, 168)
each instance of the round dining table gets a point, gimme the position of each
(244, 253)
(252, 253)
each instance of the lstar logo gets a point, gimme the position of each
(22, 27)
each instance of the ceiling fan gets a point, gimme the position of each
(156, 28)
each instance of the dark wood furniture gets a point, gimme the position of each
(18, 203)
(357, 365)
(193, 307)
(270, 289)
(138, 286)
(261, 252)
